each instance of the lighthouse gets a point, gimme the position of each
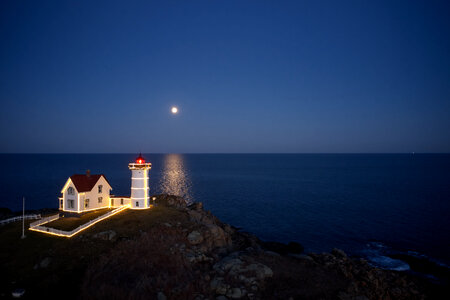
(139, 183)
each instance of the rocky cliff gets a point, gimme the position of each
(196, 256)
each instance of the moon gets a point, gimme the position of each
(174, 110)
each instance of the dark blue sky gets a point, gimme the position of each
(248, 76)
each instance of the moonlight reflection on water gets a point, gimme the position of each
(174, 179)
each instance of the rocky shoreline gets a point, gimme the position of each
(230, 264)
(188, 253)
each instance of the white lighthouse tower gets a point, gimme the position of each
(139, 183)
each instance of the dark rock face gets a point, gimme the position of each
(283, 249)
(339, 253)
(425, 266)
(294, 247)
(170, 201)
(364, 280)
(204, 258)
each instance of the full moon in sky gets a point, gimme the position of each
(174, 109)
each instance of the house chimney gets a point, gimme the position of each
(88, 173)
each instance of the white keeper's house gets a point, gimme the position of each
(86, 192)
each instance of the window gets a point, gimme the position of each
(61, 203)
(100, 188)
(112, 202)
(69, 203)
(137, 203)
(71, 191)
(100, 199)
(121, 201)
(86, 203)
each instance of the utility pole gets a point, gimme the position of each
(23, 218)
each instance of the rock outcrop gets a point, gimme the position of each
(108, 235)
(203, 258)
(170, 201)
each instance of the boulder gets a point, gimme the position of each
(217, 236)
(198, 206)
(195, 237)
(108, 235)
(215, 282)
(193, 257)
(339, 253)
(18, 293)
(261, 271)
(302, 256)
(236, 267)
(201, 217)
(161, 296)
(195, 216)
(170, 201)
(235, 293)
(271, 253)
(45, 262)
(222, 288)
(227, 264)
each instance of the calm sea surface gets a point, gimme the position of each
(358, 202)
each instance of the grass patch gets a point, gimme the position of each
(70, 223)
(70, 257)
(131, 222)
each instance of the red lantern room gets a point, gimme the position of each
(140, 159)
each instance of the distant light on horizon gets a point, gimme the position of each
(174, 110)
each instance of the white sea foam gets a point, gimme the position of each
(386, 262)
(375, 254)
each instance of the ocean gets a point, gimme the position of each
(365, 204)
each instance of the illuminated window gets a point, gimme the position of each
(137, 203)
(112, 202)
(100, 188)
(100, 199)
(121, 201)
(86, 203)
(69, 203)
(71, 191)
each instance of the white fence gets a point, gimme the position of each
(19, 218)
(45, 220)
(53, 231)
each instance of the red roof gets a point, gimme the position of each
(85, 183)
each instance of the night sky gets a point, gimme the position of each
(247, 76)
